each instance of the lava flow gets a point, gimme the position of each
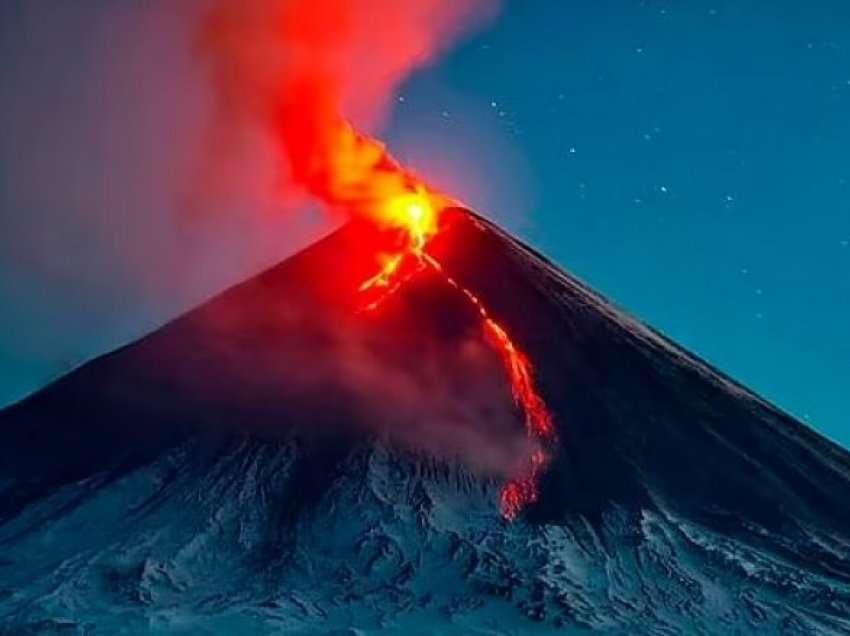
(300, 77)
(416, 215)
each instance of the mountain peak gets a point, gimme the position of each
(278, 457)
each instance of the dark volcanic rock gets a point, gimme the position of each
(274, 462)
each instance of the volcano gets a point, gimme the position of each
(275, 462)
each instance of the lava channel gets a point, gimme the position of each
(415, 213)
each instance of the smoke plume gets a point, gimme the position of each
(155, 152)
(318, 75)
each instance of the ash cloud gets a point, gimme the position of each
(138, 178)
(320, 74)
(450, 401)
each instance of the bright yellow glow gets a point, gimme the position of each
(383, 278)
(415, 213)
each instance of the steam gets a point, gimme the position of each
(452, 402)
(318, 370)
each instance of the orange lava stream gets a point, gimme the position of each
(399, 269)
(523, 490)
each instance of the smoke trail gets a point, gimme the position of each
(318, 73)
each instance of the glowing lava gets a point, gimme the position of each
(416, 214)
(282, 68)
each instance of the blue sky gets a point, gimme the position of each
(689, 160)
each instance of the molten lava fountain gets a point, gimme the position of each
(413, 211)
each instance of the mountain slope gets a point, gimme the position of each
(276, 461)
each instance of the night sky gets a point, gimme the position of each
(689, 162)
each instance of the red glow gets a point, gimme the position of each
(301, 71)
(398, 269)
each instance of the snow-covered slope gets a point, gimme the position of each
(271, 463)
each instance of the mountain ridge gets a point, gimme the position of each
(257, 465)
